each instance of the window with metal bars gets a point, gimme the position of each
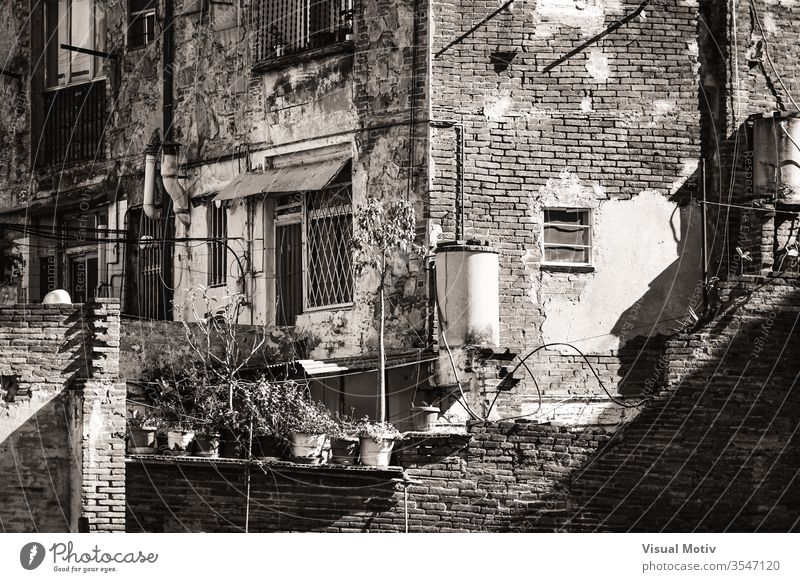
(285, 27)
(567, 237)
(313, 259)
(141, 23)
(217, 229)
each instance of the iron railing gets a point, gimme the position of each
(74, 124)
(285, 27)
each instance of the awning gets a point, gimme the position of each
(310, 176)
(338, 366)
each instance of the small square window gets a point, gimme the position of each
(567, 237)
(141, 23)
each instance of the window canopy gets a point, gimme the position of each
(310, 176)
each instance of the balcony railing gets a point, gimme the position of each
(285, 27)
(74, 124)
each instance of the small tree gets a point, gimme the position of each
(380, 232)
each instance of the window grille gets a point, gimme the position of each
(330, 259)
(567, 236)
(154, 295)
(141, 23)
(74, 124)
(217, 223)
(292, 26)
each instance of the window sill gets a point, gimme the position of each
(222, 461)
(273, 63)
(567, 268)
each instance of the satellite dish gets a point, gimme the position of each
(57, 296)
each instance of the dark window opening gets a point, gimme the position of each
(141, 23)
(217, 224)
(286, 27)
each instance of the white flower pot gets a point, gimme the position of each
(178, 442)
(307, 447)
(376, 453)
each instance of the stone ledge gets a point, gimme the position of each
(281, 62)
(200, 461)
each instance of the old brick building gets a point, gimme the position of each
(575, 136)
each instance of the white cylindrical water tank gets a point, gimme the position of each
(776, 156)
(467, 293)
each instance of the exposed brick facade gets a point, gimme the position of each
(62, 420)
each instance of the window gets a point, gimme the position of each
(313, 260)
(292, 26)
(217, 225)
(74, 113)
(141, 23)
(567, 237)
(74, 29)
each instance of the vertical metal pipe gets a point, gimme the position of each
(459, 129)
(168, 42)
(704, 217)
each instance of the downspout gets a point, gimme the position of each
(169, 149)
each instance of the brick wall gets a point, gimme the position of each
(61, 423)
(504, 477)
(614, 129)
(714, 450)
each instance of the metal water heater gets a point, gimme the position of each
(776, 156)
(467, 293)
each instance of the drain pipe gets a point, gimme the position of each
(169, 149)
(149, 205)
(458, 129)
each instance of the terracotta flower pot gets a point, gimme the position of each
(344, 451)
(425, 417)
(142, 441)
(307, 448)
(205, 445)
(179, 442)
(376, 453)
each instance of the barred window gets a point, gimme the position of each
(567, 236)
(141, 23)
(313, 259)
(217, 225)
(330, 262)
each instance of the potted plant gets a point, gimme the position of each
(262, 407)
(425, 417)
(141, 434)
(344, 440)
(377, 441)
(381, 233)
(307, 426)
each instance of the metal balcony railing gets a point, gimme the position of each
(285, 27)
(74, 124)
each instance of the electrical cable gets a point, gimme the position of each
(611, 397)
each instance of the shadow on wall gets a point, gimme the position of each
(718, 451)
(213, 498)
(35, 467)
(663, 310)
(35, 422)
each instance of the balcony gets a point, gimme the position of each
(74, 124)
(292, 27)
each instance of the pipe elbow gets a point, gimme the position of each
(149, 206)
(169, 177)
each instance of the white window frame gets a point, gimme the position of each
(589, 226)
(144, 14)
(93, 65)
